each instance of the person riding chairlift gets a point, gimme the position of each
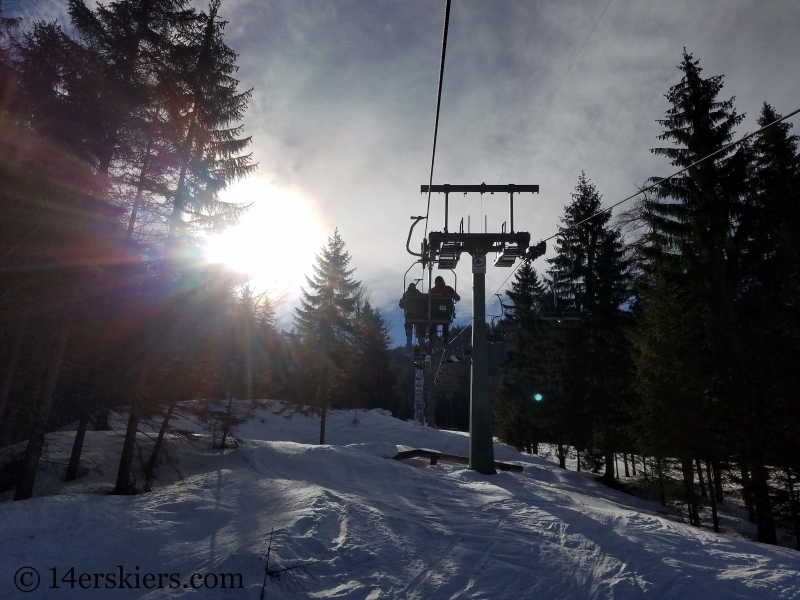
(412, 290)
(442, 288)
(439, 288)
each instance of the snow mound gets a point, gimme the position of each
(379, 528)
(379, 449)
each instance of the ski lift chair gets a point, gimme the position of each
(443, 311)
(495, 338)
(499, 328)
(561, 314)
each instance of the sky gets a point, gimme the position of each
(344, 100)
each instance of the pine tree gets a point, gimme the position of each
(208, 107)
(204, 108)
(325, 321)
(131, 43)
(767, 313)
(691, 262)
(7, 77)
(591, 358)
(172, 113)
(527, 295)
(513, 408)
(373, 381)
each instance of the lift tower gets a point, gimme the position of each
(444, 248)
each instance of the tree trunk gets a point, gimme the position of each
(660, 474)
(9, 426)
(322, 401)
(793, 504)
(139, 190)
(151, 462)
(33, 450)
(763, 504)
(633, 464)
(101, 422)
(562, 456)
(178, 203)
(714, 515)
(11, 368)
(124, 474)
(699, 468)
(322, 423)
(625, 461)
(688, 488)
(717, 471)
(608, 472)
(747, 493)
(226, 425)
(77, 447)
(644, 467)
(578, 454)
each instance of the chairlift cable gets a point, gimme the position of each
(676, 173)
(438, 108)
(659, 182)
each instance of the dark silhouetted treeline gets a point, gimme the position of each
(115, 143)
(687, 351)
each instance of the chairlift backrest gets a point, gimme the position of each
(442, 307)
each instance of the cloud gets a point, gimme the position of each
(345, 96)
(345, 101)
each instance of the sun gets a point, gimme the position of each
(275, 241)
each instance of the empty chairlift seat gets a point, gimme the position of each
(561, 314)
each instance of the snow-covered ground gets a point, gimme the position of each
(378, 527)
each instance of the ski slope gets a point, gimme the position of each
(378, 527)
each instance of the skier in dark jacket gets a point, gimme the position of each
(441, 288)
(412, 290)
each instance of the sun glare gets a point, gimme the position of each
(275, 241)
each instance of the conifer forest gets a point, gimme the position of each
(121, 128)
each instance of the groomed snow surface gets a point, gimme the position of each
(378, 527)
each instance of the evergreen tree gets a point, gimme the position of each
(204, 109)
(7, 76)
(84, 113)
(49, 99)
(208, 108)
(527, 295)
(171, 113)
(373, 379)
(591, 367)
(767, 305)
(514, 406)
(325, 322)
(692, 262)
(128, 40)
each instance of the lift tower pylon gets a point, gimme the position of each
(444, 248)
